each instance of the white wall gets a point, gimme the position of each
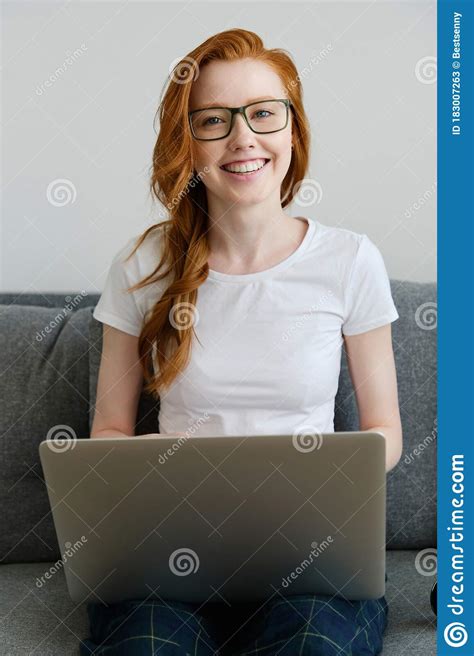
(371, 101)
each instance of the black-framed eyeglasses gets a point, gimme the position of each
(262, 117)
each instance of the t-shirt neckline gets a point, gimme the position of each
(266, 273)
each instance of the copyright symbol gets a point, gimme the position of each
(456, 64)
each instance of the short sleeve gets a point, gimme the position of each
(117, 307)
(368, 298)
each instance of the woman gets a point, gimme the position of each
(278, 295)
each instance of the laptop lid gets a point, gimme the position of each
(207, 519)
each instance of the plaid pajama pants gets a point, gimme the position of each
(303, 625)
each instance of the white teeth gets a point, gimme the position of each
(245, 168)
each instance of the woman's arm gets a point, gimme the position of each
(119, 385)
(372, 369)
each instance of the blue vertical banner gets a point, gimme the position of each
(455, 529)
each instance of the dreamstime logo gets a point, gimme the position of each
(60, 316)
(67, 63)
(61, 192)
(306, 439)
(71, 549)
(313, 62)
(193, 181)
(307, 315)
(317, 549)
(61, 438)
(429, 439)
(426, 70)
(426, 315)
(455, 634)
(426, 562)
(184, 70)
(184, 561)
(183, 438)
(418, 204)
(183, 316)
(307, 192)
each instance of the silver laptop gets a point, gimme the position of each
(215, 519)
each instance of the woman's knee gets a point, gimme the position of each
(326, 625)
(133, 622)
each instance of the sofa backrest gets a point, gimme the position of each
(50, 357)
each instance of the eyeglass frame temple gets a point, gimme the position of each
(241, 110)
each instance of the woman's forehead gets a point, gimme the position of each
(235, 83)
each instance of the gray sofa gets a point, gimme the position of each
(49, 359)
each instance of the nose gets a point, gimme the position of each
(241, 135)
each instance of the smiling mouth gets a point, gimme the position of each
(244, 173)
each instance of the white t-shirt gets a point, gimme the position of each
(267, 358)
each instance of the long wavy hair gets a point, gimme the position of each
(168, 329)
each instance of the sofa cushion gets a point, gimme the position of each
(55, 625)
(44, 387)
(411, 485)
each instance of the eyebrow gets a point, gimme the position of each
(210, 106)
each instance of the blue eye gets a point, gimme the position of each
(210, 119)
(265, 111)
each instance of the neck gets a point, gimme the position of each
(246, 244)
